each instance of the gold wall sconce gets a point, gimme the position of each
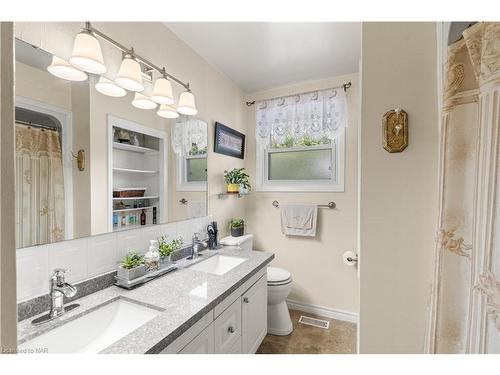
(395, 130)
(80, 159)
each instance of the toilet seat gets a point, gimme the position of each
(278, 276)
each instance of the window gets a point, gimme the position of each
(189, 142)
(300, 142)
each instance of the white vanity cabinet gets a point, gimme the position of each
(254, 316)
(238, 324)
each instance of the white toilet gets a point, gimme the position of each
(279, 285)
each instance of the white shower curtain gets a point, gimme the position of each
(39, 187)
(465, 295)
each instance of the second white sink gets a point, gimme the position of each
(218, 264)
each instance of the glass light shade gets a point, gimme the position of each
(186, 104)
(129, 76)
(162, 92)
(109, 88)
(143, 102)
(87, 54)
(63, 69)
(167, 111)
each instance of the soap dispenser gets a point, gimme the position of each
(152, 257)
(213, 241)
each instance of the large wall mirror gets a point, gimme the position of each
(89, 164)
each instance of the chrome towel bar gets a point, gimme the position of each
(329, 205)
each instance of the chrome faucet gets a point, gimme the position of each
(58, 290)
(196, 245)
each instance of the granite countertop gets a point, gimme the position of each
(184, 296)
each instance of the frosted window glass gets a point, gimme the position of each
(196, 169)
(301, 165)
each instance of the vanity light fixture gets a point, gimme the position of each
(109, 88)
(143, 102)
(186, 104)
(63, 69)
(87, 53)
(87, 57)
(167, 111)
(162, 91)
(130, 75)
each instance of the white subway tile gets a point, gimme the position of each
(71, 255)
(102, 254)
(32, 272)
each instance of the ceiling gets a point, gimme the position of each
(263, 55)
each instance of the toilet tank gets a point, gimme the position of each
(245, 242)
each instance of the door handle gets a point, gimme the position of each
(246, 300)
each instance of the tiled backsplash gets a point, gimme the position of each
(91, 256)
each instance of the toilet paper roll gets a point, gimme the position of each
(350, 258)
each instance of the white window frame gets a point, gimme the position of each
(335, 185)
(182, 183)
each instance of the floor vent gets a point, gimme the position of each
(325, 324)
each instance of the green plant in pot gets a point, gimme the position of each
(167, 248)
(237, 179)
(237, 227)
(131, 266)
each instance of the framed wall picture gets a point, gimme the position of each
(229, 141)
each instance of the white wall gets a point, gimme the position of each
(398, 192)
(320, 278)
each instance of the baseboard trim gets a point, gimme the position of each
(327, 312)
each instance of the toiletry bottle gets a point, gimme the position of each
(123, 220)
(154, 215)
(143, 218)
(152, 257)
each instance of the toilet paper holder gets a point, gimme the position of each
(352, 259)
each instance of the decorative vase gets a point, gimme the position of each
(233, 188)
(132, 273)
(237, 232)
(165, 259)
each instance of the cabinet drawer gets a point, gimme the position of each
(227, 328)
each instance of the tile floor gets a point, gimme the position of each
(340, 338)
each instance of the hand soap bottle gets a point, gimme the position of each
(152, 257)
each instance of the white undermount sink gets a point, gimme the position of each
(218, 264)
(94, 331)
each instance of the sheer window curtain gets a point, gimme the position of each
(464, 314)
(39, 186)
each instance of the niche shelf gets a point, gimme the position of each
(225, 194)
(130, 165)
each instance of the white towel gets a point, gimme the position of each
(299, 219)
(196, 208)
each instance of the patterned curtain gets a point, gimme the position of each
(39, 187)
(465, 297)
(189, 136)
(303, 119)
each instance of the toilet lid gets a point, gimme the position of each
(276, 275)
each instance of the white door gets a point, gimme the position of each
(201, 344)
(254, 316)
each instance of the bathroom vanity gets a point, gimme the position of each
(216, 303)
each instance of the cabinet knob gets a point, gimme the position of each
(230, 329)
(246, 300)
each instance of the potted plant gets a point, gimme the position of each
(237, 227)
(236, 179)
(167, 248)
(131, 266)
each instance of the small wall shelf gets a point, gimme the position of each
(239, 195)
(129, 147)
(134, 209)
(135, 198)
(126, 170)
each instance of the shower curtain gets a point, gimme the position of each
(464, 313)
(39, 186)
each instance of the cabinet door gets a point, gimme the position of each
(227, 328)
(201, 344)
(254, 316)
